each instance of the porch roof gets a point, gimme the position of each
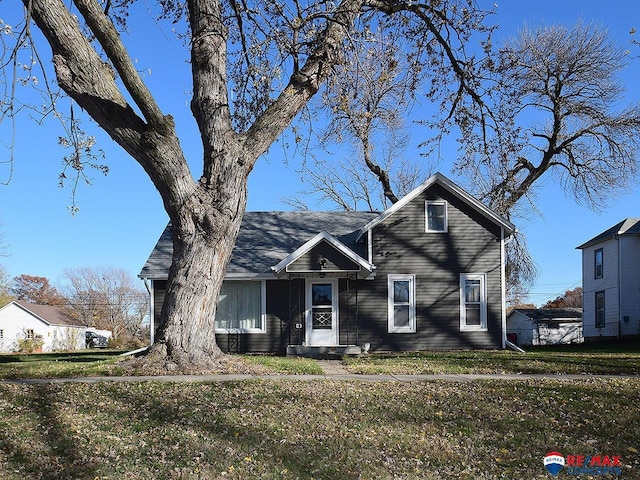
(323, 254)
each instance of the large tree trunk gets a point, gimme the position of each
(202, 246)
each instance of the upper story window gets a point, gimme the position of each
(436, 216)
(598, 262)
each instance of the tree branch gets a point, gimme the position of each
(304, 83)
(110, 41)
(91, 83)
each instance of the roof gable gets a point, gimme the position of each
(452, 188)
(48, 314)
(343, 258)
(628, 226)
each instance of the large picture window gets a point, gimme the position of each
(401, 304)
(436, 216)
(473, 302)
(600, 321)
(241, 307)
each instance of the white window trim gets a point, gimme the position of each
(483, 302)
(426, 215)
(412, 304)
(263, 314)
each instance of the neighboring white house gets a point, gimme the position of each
(611, 282)
(544, 326)
(51, 325)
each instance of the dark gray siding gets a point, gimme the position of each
(401, 246)
(348, 310)
(277, 317)
(334, 260)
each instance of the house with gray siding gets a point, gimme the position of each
(427, 273)
(611, 282)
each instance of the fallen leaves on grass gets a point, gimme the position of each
(321, 429)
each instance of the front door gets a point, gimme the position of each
(322, 312)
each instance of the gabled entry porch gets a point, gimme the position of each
(323, 279)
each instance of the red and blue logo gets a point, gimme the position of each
(553, 462)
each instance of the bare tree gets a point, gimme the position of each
(274, 57)
(368, 96)
(556, 101)
(5, 287)
(107, 298)
(551, 109)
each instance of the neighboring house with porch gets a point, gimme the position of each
(544, 326)
(428, 273)
(45, 325)
(611, 282)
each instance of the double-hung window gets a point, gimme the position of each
(241, 307)
(600, 319)
(436, 216)
(401, 304)
(598, 263)
(473, 301)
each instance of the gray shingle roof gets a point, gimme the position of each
(265, 238)
(628, 226)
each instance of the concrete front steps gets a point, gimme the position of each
(323, 352)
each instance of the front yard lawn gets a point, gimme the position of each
(283, 429)
(83, 363)
(596, 360)
(602, 360)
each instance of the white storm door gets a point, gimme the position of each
(322, 312)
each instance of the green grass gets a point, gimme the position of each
(286, 365)
(283, 429)
(599, 360)
(92, 363)
(604, 360)
(88, 363)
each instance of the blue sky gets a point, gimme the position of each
(121, 215)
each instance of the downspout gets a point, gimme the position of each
(513, 346)
(619, 289)
(152, 329)
(503, 287)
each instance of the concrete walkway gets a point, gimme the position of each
(326, 376)
(332, 367)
